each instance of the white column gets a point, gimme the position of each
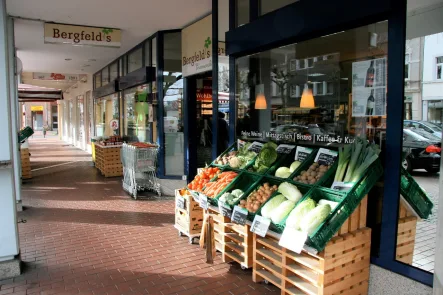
(438, 271)
(9, 247)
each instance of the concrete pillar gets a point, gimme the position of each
(9, 246)
(438, 271)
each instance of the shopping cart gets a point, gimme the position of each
(139, 169)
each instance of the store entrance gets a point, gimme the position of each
(203, 118)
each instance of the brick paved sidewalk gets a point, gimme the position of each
(84, 235)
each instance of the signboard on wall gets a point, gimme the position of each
(81, 35)
(36, 108)
(58, 76)
(197, 47)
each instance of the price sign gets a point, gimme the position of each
(285, 148)
(224, 209)
(240, 143)
(293, 239)
(326, 157)
(180, 202)
(301, 153)
(342, 186)
(260, 225)
(204, 202)
(255, 147)
(239, 215)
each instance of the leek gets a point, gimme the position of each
(356, 151)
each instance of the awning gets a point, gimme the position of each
(28, 93)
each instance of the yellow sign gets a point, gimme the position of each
(36, 108)
(79, 35)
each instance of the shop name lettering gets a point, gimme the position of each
(324, 138)
(77, 37)
(200, 55)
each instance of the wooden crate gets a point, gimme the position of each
(25, 163)
(192, 210)
(190, 203)
(189, 224)
(407, 224)
(238, 244)
(341, 268)
(108, 160)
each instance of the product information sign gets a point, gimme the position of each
(342, 186)
(260, 225)
(224, 209)
(302, 153)
(180, 202)
(256, 147)
(285, 148)
(293, 239)
(239, 215)
(369, 88)
(240, 144)
(204, 202)
(326, 157)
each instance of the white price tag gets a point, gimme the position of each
(240, 143)
(260, 225)
(293, 239)
(342, 186)
(203, 201)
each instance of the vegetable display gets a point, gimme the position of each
(295, 217)
(285, 172)
(237, 159)
(203, 178)
(314, 218)
(232, 197)
(315, 173)
(271, 205)
(279, 213)
(212, 189)
(290, 191)
(355, 159)
(258, 197)
(267, 156)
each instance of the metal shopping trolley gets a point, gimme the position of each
(139, 169)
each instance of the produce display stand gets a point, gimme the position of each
(415, 195)
(25, 163)
(407, 223)
(341, 268)
(188, 221)
(108, 160)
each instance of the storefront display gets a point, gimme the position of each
(106, 111)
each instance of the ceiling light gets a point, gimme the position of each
(307, 99)
(68, 59)
(316, 75)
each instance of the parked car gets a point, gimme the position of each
(421, 152)
(427, 126)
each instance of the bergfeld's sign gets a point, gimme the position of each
(57, 76)
(197, 47)
(79, 35)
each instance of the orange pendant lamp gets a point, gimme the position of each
(260, 100)
(307, 99)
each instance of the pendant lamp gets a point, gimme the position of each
(260, 100)
(307, 99)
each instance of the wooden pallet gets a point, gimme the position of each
(238, 244)
(25, 163)
(108, 160)
(219, 229)
(407, 224)
(341, 268)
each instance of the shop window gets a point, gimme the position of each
(135, 60)
(138, 114)
(173, 105)
(113, 71)
(98, 80)
(241, 12)
(439, 68)
(122, 66)
(106, 109)
(407, 66)
(148, 53)
(267, 6)
(154, 52)
(105, 76)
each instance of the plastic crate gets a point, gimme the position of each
(350, 202)
(25, 133)
(415, 195)
(282, 161)
(214, 201)
(246, 182)
(305, 166)
(232, 147)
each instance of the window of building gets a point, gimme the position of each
(105, 76)
(106, 109)
(154, 52)
(242, 12)
(98, 80)
(439, 67)
(267, 6)
(148, 53)
(113, 71)
(407, 67)
(135, 60)
(138, 113)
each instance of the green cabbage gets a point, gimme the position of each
(267, 155)
(279, 213)
(314, 218)
(271, 205)
(297, 215)
(294, 166)
(283, 172)
(290, 191)
(237, 192)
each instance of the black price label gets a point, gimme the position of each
(285, 148)
(204, 202)
(302, 153)
(260, 225)
(224, 209)
(326, 157)
(239, 215)
(255, 147)
(181, 203)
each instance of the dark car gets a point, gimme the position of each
(425, 125)
(421, 152)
